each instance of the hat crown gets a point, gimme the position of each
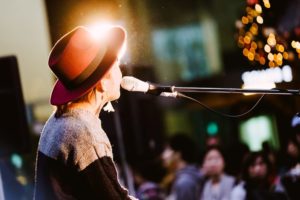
(79, 60)
(73, 59)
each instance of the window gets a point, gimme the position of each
(257, 130)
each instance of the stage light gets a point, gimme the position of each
(97, 30)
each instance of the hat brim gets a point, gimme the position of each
(62, 95)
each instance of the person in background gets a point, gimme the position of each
(179, 157)
(256, 180)
(218, 185)
(147, 174)
(74, 159)
(289, 181)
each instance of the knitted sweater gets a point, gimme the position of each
(74, 160)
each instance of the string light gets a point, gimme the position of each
(259, 20)
(262, 44)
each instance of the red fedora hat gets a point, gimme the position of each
(79, 61)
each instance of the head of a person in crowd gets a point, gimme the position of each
(256, 167)
(293, 151)
(148, 169)
(293, 147)
(213, 162)
(147, 174)
(87, 66)
(180, 150)
(295, 124)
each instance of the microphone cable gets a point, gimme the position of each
(220, 113)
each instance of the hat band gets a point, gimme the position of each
(84, 75)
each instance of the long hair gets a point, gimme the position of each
(256, 189)
(61, 109)
(250, 160)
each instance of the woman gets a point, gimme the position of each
(289, 181)
(75, 158)
(257, 179)
(218, 185)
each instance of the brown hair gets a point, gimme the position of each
(61, 109)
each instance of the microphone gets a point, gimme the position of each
(133, 84)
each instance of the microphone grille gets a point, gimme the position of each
(133, 84)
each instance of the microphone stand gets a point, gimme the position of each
(274, 91)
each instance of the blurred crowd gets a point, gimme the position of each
(182, 173)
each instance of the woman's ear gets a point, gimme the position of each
(104, 84)
(100, 86)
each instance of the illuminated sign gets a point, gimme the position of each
(267, 77)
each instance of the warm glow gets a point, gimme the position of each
(271, 41)
(245, 52)
(259, 85)
(262, 60)
(267, 48)
(258, 8)
(253, 29)
(251, 56)
(297, 45)
(280, 48)
(267, 78)
(122, 50)
(257, 57)
(247, 39)
(245, 20)
(271, 64)
(279, 56)
(259, 20)
(285, 55)
(294, 44)
(98, 29)
(267, 3)
(239, 24)
(270, 56)
(253, 45)
(279, 62)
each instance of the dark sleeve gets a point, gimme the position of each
(186, 190)
(101, 181)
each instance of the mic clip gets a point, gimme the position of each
(157, 90)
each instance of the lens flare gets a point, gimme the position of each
(98, 30)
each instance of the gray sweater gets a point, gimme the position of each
(222, 192)
(74, 160)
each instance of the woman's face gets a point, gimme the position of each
(258, 169)
(113, 82)
(169, 158)
(292, 150)
(213, 164)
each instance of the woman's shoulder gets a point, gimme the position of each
(238, 192)
(229, 178)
